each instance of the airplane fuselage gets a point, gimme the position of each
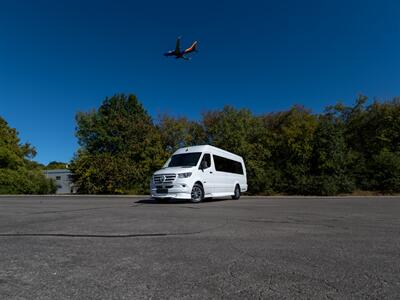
(176, 54)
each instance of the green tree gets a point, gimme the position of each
(239, 131)
(372, 134)
(180, 132)
(120, 147)
(331, 159)
(293, 133)
(18, 174)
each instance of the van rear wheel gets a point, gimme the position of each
(197, 194)
(236, 194)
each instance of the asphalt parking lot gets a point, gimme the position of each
(254, 248)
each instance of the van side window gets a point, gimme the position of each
(206, 161)
(223, 164)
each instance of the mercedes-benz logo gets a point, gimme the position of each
(163, 178)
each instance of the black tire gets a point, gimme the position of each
(197, 194)
(236, 195)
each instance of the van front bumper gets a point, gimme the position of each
(176, 192)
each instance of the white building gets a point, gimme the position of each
(63, 180)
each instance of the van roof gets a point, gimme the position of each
(211, 149)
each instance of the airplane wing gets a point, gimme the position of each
(178, 45)
(191, 48)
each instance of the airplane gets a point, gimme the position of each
(181, 54)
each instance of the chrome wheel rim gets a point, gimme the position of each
(196, 193)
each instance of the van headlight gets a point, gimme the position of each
(184, 175)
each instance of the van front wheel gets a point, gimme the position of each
(236, 194)
(197, 193)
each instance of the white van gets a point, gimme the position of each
(200, 172)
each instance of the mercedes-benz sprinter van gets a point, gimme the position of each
(199, 172)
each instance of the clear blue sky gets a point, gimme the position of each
(60, 57)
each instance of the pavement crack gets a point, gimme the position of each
(70, 210)
(85, 235)
(134, 235)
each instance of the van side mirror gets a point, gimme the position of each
(203, 165)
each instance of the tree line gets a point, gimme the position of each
(342, 150)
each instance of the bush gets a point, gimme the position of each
(22, 181)
(386, 172)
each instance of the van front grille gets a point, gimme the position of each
(164, 187)
(164, 178)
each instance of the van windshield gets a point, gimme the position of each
(184, 160)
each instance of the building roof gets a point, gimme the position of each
(57, 171)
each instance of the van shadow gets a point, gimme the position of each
(177, 201)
